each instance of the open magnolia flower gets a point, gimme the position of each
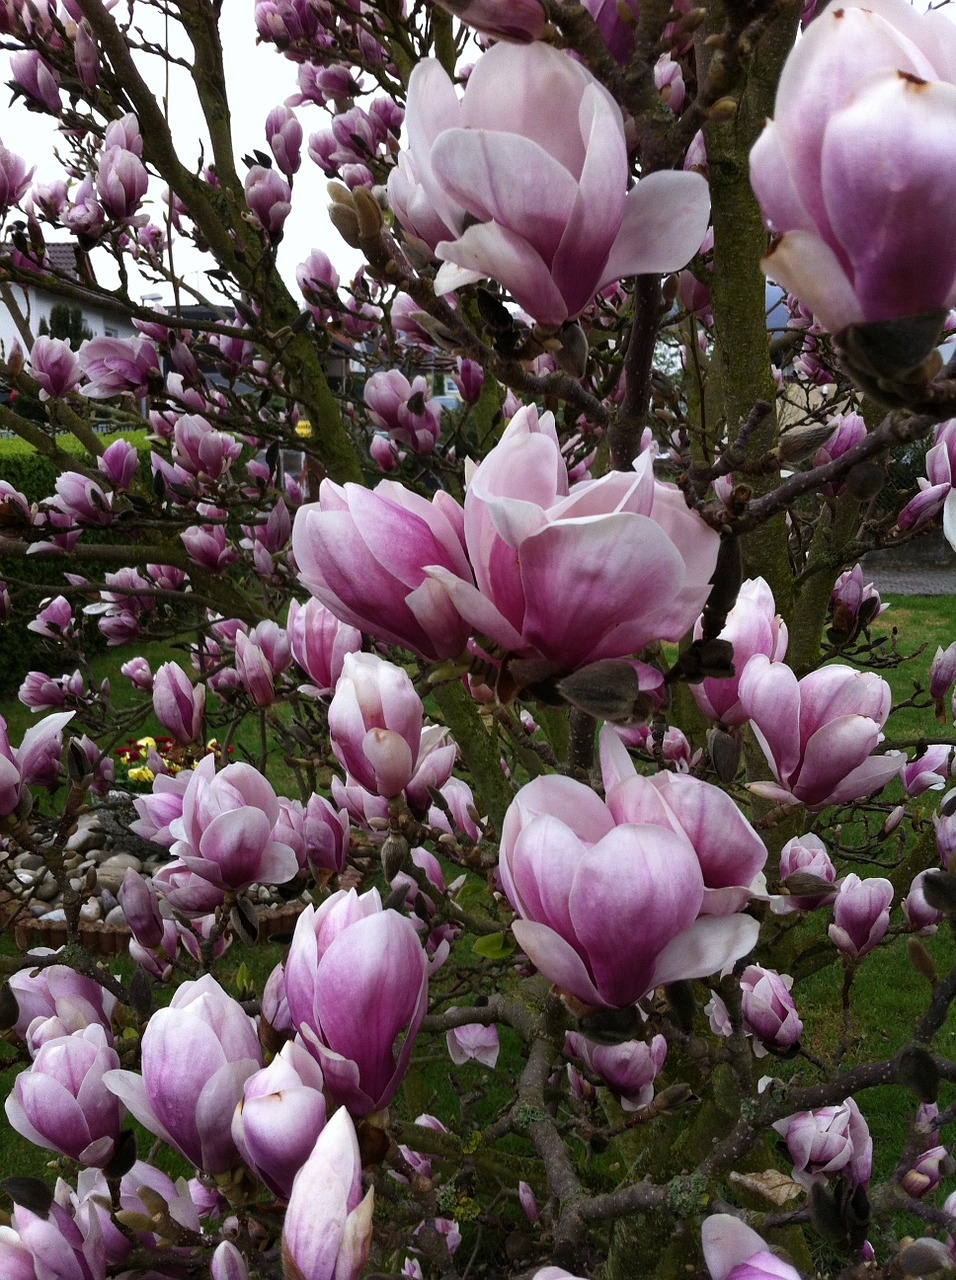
(529, 186)
(608, 910)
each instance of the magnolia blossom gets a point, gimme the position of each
(623, 551)
(733, 1251)
(818, 733)
(319, 643)
(472, 1041)
(375, 722)
(629, 1069)
(861, 914)
(328, 1224)
(280, 1116)
(470, 184)
(938, 488)
(752, 626)
(118, 366)
(196, 1056)
(806, 856)
(853, 171)
(55, 366)
(769, 1014)
(828, 1141)
(225, 834)
(363, 553)
(355, 979)
(607, 911)
(61, 1102)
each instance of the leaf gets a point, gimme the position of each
(771, 1184)
(493, 946)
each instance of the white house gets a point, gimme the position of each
(26, 305)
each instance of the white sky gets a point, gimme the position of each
(258, 78)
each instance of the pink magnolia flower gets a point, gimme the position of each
(119, 463)
(225, 835)
(227, 1263)
(55, 367)
(752, 626)
(269, 197)
(861, 914)
(37, 80)
(54, 620)
(121, 182)
(196, 1057)
(854, 604)
(319, 644)
(60, 993)
(806, 854)
(629, 1069)
(178, 704)
(769, 1014)
(927, 772)
(375, 722)
(606, 911)
(730, 853)
(280, 1116)
(920, 916)
(942, 672)
(518, 22)
(36, 762)
(61, 1103)
(317, 832)
(733, 1251)
(363, 553)
(118, 366)
(852, 172)
(470, 184)
(355, 978)
(158, 810)
(14, 180)
(818, 733)
(623, 551)
(938, 488)
(473, 1040)
(828, 1141)
(82, 499)
(328, 1224)
(399, 407)
(284, 135)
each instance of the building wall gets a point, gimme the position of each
(37, 303)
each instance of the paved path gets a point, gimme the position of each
(930, 571)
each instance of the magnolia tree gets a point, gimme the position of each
(584, 757)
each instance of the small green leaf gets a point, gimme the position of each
(494, 946)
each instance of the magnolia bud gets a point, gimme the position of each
(395, 852)
(800, 442)
(367, 212)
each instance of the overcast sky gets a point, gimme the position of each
(258, 79)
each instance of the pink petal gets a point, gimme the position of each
(708, 946)
(665, 220)
(492, 250)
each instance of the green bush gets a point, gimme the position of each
(35, 477)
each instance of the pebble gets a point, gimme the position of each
(48, 889)
(88, 834)
(115, 916)
(28, 861)
(90, 911)
(110, 873)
